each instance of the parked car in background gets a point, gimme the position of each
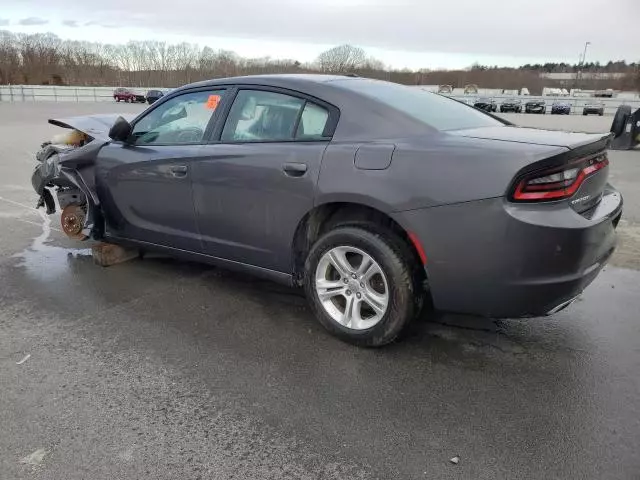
(511, 105)
(373, 196)
(466, 101)
(122, 94)
(595, 108)
(486, 104)
(139, 96)
(560, 108)
(154, 95)
(535, 106)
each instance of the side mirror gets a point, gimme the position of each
(120, 130)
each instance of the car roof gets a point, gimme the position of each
(273, 80)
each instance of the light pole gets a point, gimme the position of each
(584, 53)
(581, 65)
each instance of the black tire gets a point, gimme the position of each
(620, 119)
(391, 254)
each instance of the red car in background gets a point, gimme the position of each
(126, 95)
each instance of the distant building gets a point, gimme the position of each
(583, 76)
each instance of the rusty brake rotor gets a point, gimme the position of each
(72, 220)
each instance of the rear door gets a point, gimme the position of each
(259, 175)
(146, 185)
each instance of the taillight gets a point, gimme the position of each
(558, 183)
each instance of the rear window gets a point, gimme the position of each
(434, 110)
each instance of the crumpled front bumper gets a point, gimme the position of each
(47, 169)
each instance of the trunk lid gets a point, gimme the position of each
(584, 150)
(534, 136)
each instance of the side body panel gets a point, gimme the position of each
(250, 198)
(436, 169)
(147, 195)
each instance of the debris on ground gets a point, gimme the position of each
(107, 254)
(455, 460)
(35, 458)
(26, 357)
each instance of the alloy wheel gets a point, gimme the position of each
(351, 287)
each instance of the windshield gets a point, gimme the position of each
(435, 110)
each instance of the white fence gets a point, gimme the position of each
(45, 93)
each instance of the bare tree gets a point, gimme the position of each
(9, 58)
(342, 59)
(45, 58)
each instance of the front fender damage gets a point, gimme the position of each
(67, 170)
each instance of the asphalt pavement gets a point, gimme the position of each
(160, 369)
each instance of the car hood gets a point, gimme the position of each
(96, 126)
(533, 136)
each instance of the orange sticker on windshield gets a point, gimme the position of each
(213, 102)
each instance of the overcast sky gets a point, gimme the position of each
(401, 33)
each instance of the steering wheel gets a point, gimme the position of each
(189, 135)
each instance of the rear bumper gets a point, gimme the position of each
(497, 259)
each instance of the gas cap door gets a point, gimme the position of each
(376, 156)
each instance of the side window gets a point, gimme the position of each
(313, 121)
(259, 116)
(180, 120)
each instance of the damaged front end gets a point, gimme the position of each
(66, 169)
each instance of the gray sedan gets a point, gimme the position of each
(372, 196)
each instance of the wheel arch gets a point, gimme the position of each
(320, 219)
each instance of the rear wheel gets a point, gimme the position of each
(361, 286)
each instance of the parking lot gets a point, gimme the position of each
(159, 369)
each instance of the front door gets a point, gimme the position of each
(145, 185)
(258, 181)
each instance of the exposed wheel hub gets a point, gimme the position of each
(72, 221)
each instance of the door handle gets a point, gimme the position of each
(178, 171)
(293, 169)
